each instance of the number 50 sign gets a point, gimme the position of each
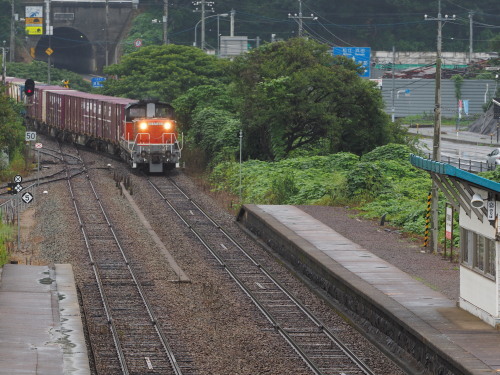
(30, 136)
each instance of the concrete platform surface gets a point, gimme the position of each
(455, 335)
(41, 331)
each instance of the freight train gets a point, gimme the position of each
(143, 133)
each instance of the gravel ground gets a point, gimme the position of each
(215, 324)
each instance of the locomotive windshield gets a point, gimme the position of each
(149, 110)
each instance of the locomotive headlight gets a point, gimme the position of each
(143, 125)
(167, 125)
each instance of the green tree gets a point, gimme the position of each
(163, 72)
(11, 127)
(295, 93)
(199, 97)
(38, 71)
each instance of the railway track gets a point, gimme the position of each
(321, 350)
(125, 335)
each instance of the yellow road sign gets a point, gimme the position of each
(49, 51)
(34, 30)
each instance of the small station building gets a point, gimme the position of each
(477, 199)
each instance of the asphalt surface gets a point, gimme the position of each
(449, 133)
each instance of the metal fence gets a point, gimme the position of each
(13, 205)
(469, 165)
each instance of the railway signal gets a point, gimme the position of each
(29, 87)
(10, 188)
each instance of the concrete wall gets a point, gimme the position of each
(366, 306)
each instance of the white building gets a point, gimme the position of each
(478, 201)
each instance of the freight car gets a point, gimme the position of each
(143, 133)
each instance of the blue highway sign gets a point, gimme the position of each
(361, 55)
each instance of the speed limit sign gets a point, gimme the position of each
(30, 136)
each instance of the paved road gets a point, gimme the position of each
(463, 146)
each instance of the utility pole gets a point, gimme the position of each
(436, 149)
(107, 33)
(393, 110)
(300, 19)
(12, 34)
(4, 64)
(471, 30)
(165, 21)
(203, 3)
(48, 32)
(231, 31)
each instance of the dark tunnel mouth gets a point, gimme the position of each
(71, 50)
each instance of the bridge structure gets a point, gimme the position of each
(79, 35)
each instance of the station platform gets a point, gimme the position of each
(41, 331)
(407, 317)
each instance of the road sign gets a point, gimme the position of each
(18, 179)
(34, 11)
(491, 209)
(34, 30)
(138, 43)
(97, 81)
(33, 22)
(27, 197)
(360, 55)
(38, 145)
(49, 51)
(18, 188)
(30, 136)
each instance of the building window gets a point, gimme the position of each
(478, 252)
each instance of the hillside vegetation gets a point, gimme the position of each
(377, 24)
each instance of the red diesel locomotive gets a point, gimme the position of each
(144, 133)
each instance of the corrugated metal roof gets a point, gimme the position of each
(449, 170)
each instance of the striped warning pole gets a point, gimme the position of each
(427, 220)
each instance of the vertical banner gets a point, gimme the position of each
(466, 106)
(449, 222)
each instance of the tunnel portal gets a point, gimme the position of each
(71, 50)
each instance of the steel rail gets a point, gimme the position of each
(120, 353)
(358, 362)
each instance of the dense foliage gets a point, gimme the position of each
(295, 94)
(163, 72)
(377, 24)
(11, 129)
(382, 182)
(38, 71)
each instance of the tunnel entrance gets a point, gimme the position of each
(72, 50)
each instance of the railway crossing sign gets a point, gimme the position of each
(38, 145)
(27, 197)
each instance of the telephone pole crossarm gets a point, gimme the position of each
(299, 17)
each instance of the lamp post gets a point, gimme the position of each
(196, 29)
